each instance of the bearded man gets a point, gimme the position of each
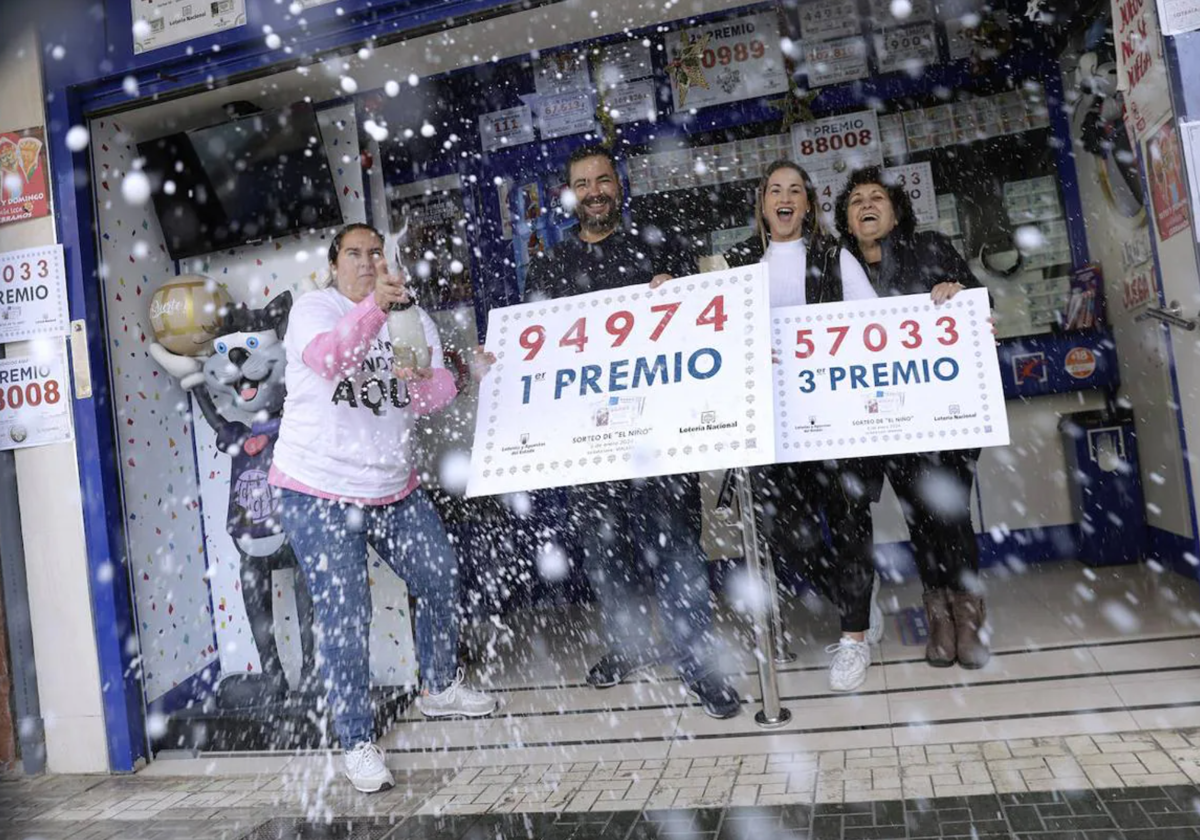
(631, 531)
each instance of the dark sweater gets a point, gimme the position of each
(620, 259)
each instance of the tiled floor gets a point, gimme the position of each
(1158, 812)
(1078, 651)
(1094, 688)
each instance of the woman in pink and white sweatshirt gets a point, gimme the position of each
(344, 467)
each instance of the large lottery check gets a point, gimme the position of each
(880, 377)
(627, 383)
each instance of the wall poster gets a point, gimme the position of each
(917, 181)
(1179, 16)
(624, 62)
(566, 113)
(1168, 190)
(561, 72)
(1141, 71)
(159, 23)
(918, 10)
(833, 62)
(821, 20)
(830, 149)
(34, 405)
(905, 46)
(509, 127)
(23, 168)
(33, 294)
(725, 61)
(632, 101)
(1191, 151)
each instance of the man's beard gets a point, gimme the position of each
(601, 224)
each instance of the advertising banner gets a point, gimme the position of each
(24, 190)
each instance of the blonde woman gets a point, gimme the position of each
(805, 267)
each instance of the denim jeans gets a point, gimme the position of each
(629, 530)
(330, 540)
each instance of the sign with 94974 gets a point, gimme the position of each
(627, 383)
(886, 376)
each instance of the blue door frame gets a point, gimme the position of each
(75, 93)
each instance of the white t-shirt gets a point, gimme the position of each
(350, 436)
(787, 266)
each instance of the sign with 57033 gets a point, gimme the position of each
(886, 376)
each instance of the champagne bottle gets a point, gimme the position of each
(409, 344)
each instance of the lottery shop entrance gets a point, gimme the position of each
(1001, 131)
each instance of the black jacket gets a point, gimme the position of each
(621, 259)
(914, 264)
(824, 281)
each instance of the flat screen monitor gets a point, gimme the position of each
(247, 180)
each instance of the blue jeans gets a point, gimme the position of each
(330, 540)
(630, 530)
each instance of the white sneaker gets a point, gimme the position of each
(875, 630)
(365, 768)
(456, 701)
(848, 670)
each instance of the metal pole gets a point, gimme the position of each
(772, 714)
(783, 654)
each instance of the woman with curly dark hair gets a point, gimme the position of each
(877, 225)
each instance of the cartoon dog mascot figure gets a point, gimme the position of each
(242, 399)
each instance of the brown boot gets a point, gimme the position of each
(970, 614)
(941, 649)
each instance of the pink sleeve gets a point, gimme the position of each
(340, 351)
(430, 395)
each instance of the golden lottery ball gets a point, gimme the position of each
(187, 313)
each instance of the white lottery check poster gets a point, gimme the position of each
(881, 377)
(627, 383)
(157, 23)
(35, 408)
(33, 294)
